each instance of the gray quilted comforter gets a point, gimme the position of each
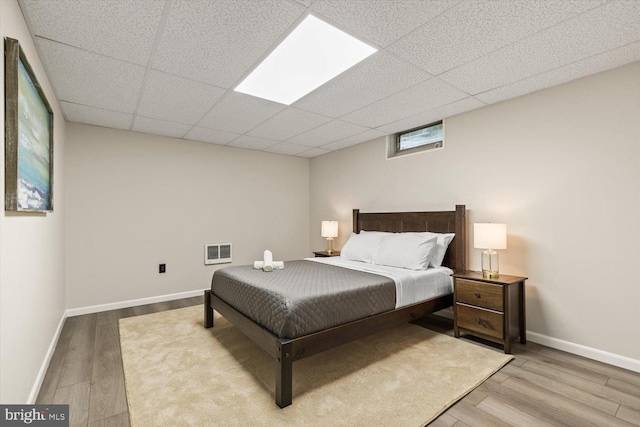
(304, 297)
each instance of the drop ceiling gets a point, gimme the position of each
(169, 67)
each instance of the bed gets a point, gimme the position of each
(287, 345)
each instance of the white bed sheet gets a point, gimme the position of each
(411, 286)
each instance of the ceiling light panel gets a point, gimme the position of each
(314, 53)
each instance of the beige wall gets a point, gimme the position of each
(136, 200)
(32, 280)
(561, 167)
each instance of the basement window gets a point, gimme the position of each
(417, 140)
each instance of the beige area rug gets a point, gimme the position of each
(180, 374)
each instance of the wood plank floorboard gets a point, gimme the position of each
(78, 362)
(540, 387)
(52, 376)
(629, 415)
(509, 414)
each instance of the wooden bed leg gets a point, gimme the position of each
(208, 310)
(284, 373)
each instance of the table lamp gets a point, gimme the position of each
(490, 236)
(329, 230)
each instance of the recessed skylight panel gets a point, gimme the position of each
(314, 53)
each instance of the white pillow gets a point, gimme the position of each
(361, 247)
(444, 239)
(405, 250)
(437, 256)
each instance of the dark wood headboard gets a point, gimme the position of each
(436, 222)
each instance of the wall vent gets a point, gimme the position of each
(217, 253)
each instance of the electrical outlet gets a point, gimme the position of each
(162, 268)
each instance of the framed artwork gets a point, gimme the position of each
(28, 136)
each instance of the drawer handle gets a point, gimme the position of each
(478, 294)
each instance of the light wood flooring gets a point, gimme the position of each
(541, 387)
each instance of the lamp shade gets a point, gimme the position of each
(329, 229)
(490, 236)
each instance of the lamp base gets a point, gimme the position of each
(490, 264)
(490, 274)
(329, 245)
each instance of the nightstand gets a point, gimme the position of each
(324, 254)
(492, 309)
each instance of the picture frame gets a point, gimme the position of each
(28, 136)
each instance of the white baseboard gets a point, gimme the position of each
(573, 348)
(96, 309)
(131, 303)
(45, 363)
(588, 352)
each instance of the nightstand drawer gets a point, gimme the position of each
(483, 321)
(479, 293)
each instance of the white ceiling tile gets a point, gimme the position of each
(252, 143)
(238, 113)
(595, 64)
(122, 29)
(355, 139)
(159, 127)
(211, 135)
(314, 152)
(218, 41)
(93, 79)
(609, 26)
(288, 123)
(428, 95)
(177, 99)
(327, 133)
(474, 28)
(95, 116)
(287, 148)
(382, 22)
(96, 54)
(430, 116)
(375, 78)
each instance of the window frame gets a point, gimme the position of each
(394, 142)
